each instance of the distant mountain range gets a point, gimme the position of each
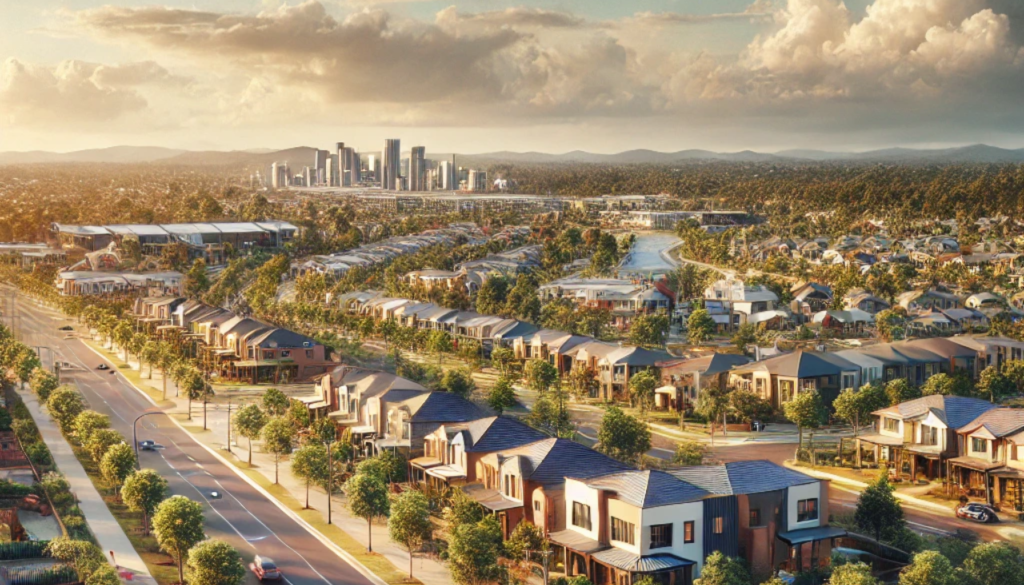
(303, 155)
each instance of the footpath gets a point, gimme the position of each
(102, 523)
(426, 569)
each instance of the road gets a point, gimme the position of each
(243, 517)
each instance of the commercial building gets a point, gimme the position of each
(417, 169)
(391, 159)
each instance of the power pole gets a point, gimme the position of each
(229, 424)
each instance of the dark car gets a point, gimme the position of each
(67, 328)
(103, 367)
(977, 513)
(265, 569)
(147, 445)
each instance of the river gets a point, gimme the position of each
(646, 257)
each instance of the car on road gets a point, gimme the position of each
(103, 367)
(67, 328)
(265, 569)
(147, 445)
(977, 513)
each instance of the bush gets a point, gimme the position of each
(38, 454)
(5, 420)
(9, 489)
(28, 549)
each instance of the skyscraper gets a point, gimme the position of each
(340, 148)
(417, 169)
(391, 159)
(446, 176)
(320, 159)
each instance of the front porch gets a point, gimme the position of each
(970, 477)
(606, 565)
(809, 548)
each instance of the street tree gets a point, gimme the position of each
(504, 360)
(689, 453)
(310, 464)
(142, 492)
(298, 414)
(994, 385)
(42, 383)
(649, 330)
(474, 550)
(700, 327)
(458, 382)
(641, 390)
(878, 511)
(623, 437)
(720, 569)
(748, 406)
(713, 404)
(898, 390)
(928, 568)
(117, 464)
(502, 395)
(583, 382)
(806, 411)
(852, 574)
(178, 525)
(994, 563)
(540, 375)
(215, 562)
(87, 422)
(745, 335)
(278, 437)
(439, 343)
(249, 422)
(100, 441)
(367, 499)
(275, 403)
(409, 523)
(853, 406)
(65, 404)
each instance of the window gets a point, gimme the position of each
(622, 531)
(755, 517)
(719, 527)
(309, 354)
(661, 536)
(892, 425)
(979, 445)
(581, 515)
(285, 353)
(687, 532)
(536, 505)
(807, 510)
(929, 435)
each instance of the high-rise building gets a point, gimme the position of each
(320, 158)
(351, 176)
(371, 166)
(418, 169)
(446, 176)
(275, 176)
(332, 171)
(476, 181)
(356, 168)
(390, 163)
(340, 154)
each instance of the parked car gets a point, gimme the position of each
(977, 513)
(265, 569)
(103, 367)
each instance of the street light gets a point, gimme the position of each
(135, 436)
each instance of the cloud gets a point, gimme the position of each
(516, 17)
(759, 11)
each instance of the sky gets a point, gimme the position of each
(494, 75)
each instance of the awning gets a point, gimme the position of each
(446, 472)
(929, 451)
(627, 561)
(425, 462)
(493, 500)
(392, 442)
(976, 464)
(574, 540)
(1008, 473)
(881, 440)
(795, 537)
(362, 430)
(224, 351)
(666, 390)
(257, 363)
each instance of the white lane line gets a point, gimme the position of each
(198, 491)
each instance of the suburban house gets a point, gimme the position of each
(624, 298)
(920, 435)
(615, 369)
(779, 379)
(864, 301)
(95, 283)
(991, 464)
(922, 300)
(683, 378)
(747, 304)
(810, 298)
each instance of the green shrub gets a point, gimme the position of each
(9, 489)
(39, 454)
(5, 420)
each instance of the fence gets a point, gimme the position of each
(55, 575)
(26, 549)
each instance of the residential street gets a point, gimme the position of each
(244, 517)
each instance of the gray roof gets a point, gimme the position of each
(495, 433)
(550, 461)
(805, 364)
(648, 488)
(742, 477)
(628, 561)
(708, 365)
(442, 407)
(999, 421)
(953, 411)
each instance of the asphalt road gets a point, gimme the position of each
(242, 516)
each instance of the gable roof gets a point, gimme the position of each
(441, 407)
(998, 421)
(648, 488)
(953, 411)
(550, 461)
(495, 433)
(707, 365)
(804, 364)
(742, 477)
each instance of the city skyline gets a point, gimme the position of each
(490, 76)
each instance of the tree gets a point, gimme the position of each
(249, 423)
(748, 406)
(83, 555)
(275, 403)
(105, 574)
(806, 411)
(458, 382)
(117, 464)
(100, 441)
(473, 552)
(854, 406)
(368, 499)
(583, 382)
(722, 570)
(409, 523)
(700, 327)
(439, 343)
(929, 568)
(898, 390)
(491, 298)
(592, 321)
(278, 435)
(502, 395)
(310, 464)
(215, 562)
(539, 375)
(87, 422)
(713, 404)
(852, 574)
(623, 437)
(649, 330)
(994, 385)
(178, 524)
(142, 492)
(745, 335)
(461, 510)
(891, 324)
(878, 511)
(65, 404)
(641, 390)
(994, 563)
(689, 453)
(43, 383)
(504, 360)
(525, 537)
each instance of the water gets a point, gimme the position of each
(646, 256)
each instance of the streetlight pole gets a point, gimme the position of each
(135, 435)
(330, 480)
(229, 424)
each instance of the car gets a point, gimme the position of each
(215, 495)
(977, 513)
(103, 367)
(67, 328)
(265, 569)
(147, 445)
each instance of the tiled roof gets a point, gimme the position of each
(442, 407)
(999, 421)
(550, 461)
(742, 477)
(495, 433)
(648, 489)
(628, 561)
(954, 411)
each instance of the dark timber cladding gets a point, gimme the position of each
(721, 526)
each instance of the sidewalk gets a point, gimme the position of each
(861, 485)
(102, 523)
(427, 570)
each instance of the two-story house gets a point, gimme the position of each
(616, 368)
(991, 464)
(683, 378)
(779, 379)
(920, 435)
